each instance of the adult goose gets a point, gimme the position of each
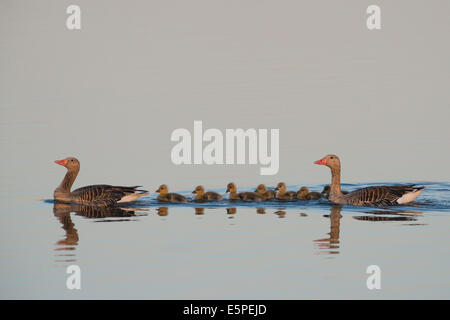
(370, 196)
(101, 195)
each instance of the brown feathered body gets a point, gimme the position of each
(243, 196)
(304, 194)
(266, 194)
(378, 195)
(165, 196)
(282, 194)
(202, 196)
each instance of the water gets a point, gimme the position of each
(270, 250)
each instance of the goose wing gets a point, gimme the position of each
(104, 195)
(381, 195)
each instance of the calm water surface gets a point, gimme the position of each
(270, 250)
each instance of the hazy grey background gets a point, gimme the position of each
(112, 93)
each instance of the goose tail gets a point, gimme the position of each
(410, 195)
(134, 196)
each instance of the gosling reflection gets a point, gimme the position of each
(199, 211)
(261, 210)
(280, 213)
(231, 212)
(330, 245)
(162, 211)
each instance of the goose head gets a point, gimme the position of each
(332, 161)
(163, 189)
(71, 163)
(261, 189)
(326, 189)
(199, 190)
(303, 192)
(231, 187)
(281, 187)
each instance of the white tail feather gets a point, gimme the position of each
(408, 197)
(133, 196)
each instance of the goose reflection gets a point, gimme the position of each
(389, 215)
(70, 240)
(331, 244)
(92, 212)
(62, 212)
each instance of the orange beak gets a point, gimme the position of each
(61, 162)
(322, 161)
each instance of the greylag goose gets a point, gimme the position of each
(370, 196)
(201, 195)
(304, 194)
(244, 196)
(101, 195)
(282, 194)
(165, 196)
(267, 194)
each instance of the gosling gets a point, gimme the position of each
(326, 191)
(267, 194)
(201, 195)
(304, 194)
(282, 194)
(244, 196)
(165, 196)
